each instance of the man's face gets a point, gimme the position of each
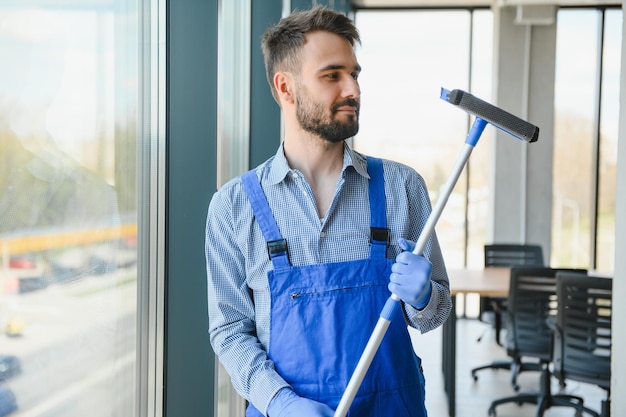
(327, 91)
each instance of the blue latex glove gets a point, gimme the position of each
(287, 403)
(410, 276)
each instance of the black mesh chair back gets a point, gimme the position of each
(505, 254)
(583, 343)
(532, 303)
(532, 299)
(493, 309)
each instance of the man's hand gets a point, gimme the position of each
(287, 403)
(410, 276)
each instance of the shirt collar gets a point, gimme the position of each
(280, 168)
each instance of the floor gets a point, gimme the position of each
(474, 397)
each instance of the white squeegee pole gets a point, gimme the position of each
(448, 187)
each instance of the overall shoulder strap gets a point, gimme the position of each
(379, 233)
(276, 245)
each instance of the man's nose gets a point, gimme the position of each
(351, 88)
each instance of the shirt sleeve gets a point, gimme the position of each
(232, 327)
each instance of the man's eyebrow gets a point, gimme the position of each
(331, 67)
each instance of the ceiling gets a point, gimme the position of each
(364, 4)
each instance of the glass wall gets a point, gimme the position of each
(68, 207)
(585, 134)
(407, 57)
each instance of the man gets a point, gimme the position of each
(300, 250)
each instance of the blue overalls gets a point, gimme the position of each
(322, 316)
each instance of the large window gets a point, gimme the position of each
(407, 57)
(585, 134)
(68, 206)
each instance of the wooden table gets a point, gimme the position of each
(488, 282)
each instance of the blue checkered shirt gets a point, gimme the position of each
(237, 258)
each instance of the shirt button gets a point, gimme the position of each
(323, 234)
(294, 175)
(419, 316)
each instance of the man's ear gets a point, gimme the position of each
(284, 85)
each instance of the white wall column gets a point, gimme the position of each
(521, 174)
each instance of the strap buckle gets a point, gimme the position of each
(379, 234)
(276, 247)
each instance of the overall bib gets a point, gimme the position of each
(322, 316)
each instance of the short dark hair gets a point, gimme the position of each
(282, 43)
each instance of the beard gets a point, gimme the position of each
(310, 115)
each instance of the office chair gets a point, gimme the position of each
(493, 309)
(532, 300)
(582, 335)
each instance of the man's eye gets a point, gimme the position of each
(355, 75)
(332, 76)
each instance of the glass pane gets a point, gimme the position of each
(68, 206)
(407, 57)
(576, 72)
(609, 119)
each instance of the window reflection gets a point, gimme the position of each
(67, 209)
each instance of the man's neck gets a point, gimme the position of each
(320, 162)
(314, 156)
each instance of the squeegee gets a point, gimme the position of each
(484, 113)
